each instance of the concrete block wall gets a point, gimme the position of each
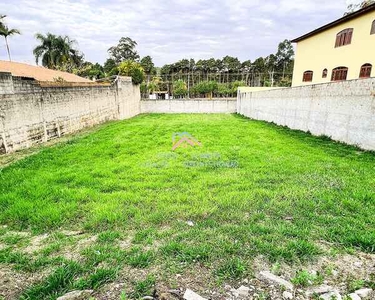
(6, 83)
(34, 113)
(344, 111)
(204, 106)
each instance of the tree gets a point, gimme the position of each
(271, 64)
(90, 70)
(179, 88)
(109, 66)
(165, 70)
(6, 32)
(57, 52)
(231, 65)
(132, 69)
(354, 7)
(2, 17)
(285, 57)
(207, 88)
(147, 65)
(125, 50)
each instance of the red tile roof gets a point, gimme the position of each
(38, 73)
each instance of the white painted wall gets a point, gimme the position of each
(344, 111)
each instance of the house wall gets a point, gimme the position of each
(318, 52)
(32, 113)
(204, 106)
(344, 111)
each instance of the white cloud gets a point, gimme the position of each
(168, 30)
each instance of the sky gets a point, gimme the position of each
(167, 30)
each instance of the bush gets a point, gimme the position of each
(132, 69)
(223, 89)
(179, 88)
(138, 76)
(206, 88)
(235, 85)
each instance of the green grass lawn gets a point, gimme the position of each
(252, 188)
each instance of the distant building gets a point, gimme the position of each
(39, 73)
(160, 95)
(341, 50)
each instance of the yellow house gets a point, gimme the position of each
(341, 50)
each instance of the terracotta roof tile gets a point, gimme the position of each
(38, 73)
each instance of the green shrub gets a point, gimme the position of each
(179, 88)
(132, 69)
(206, 88)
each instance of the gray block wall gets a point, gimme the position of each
(31, 113)
(344, 111)
(204, 106)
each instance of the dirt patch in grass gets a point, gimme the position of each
(13, 283)
(217, 280)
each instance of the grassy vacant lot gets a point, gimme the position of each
(251, 189)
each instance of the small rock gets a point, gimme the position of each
(335, 295)
(364, 293)
(190, 295)
(276, 279)
(354, 297)
(322, 289)
(287, 295)
(148, 298)
(190, 223)
(241, 292)
(76, 295)
(358, 264)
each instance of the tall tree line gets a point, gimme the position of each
(274, 69)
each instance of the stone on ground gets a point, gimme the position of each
(76, 295)
(354, 297)
(364, 293)
(190, 295)
(287, 295)
(241, 292)
(319, 290)
(268, 276)
(334, 295)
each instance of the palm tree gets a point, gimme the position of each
(1, 22)
(57, 52)
(46, 50)
(6, 32)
